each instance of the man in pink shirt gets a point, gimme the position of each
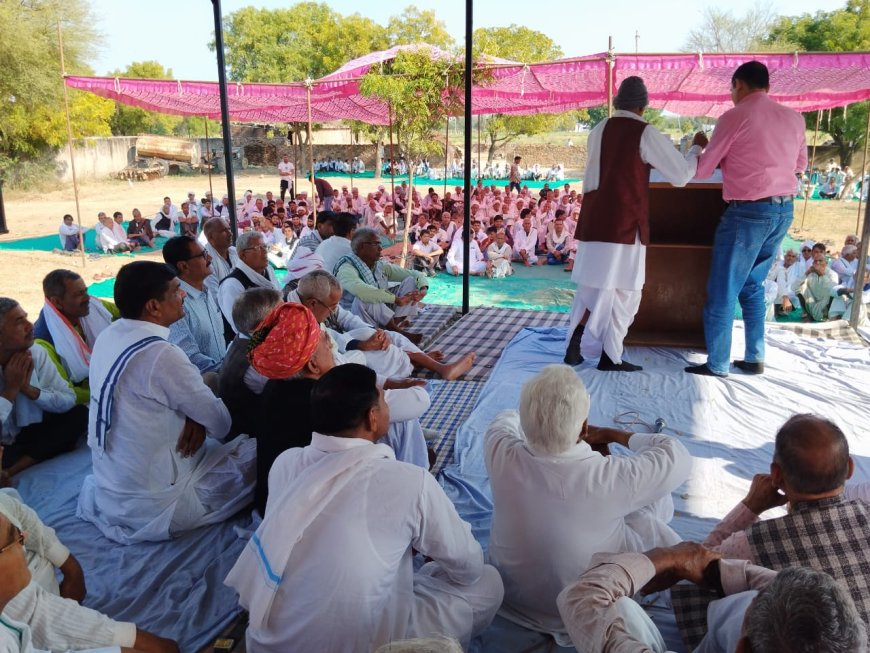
(759, 145)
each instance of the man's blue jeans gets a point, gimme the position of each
(745, 245)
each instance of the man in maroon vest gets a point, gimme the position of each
(614, 225)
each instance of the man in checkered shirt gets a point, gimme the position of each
(825, 529)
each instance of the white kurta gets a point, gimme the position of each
(353, 593)
(552, 513)
(616, 268)
(141, 488)
(456, 257)
(501, 260)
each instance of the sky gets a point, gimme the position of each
(176, 32)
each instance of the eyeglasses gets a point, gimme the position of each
(331, 309)
(19, 539)
(204, 254)
(371, 242)
(262, 248)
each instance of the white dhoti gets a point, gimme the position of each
(378, 314)
(391, 362)
(501, 268)
(443, 607)
(609, 279)
(476, 267)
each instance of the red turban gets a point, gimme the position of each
(284, 341)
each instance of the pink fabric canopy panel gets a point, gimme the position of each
(685, 84)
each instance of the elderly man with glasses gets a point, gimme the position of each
(382, 294)
(251, 270)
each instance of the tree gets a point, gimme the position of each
(722, 31)
(416, 26)
(517, 43)
(375, 134)
(838, 30)
(308, 39)
(131, 121)
(421, 91)
(32, 122)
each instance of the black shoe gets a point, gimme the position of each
(607, 365)
(750, 368)
(572, 355)
(703, 370)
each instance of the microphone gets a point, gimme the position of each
(660, 424)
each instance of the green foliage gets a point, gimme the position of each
(838, 30)
(32, 122)
(132, 121)
(528, 46)
(308, 39)
(422, 91)
(416, 26)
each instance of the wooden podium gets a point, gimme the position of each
(683, 222)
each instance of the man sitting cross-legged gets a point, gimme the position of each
(390, 354)
(549, 478)
(68, 326)
(239, 384)
(158, 467)
(56, 621)
(200, 333)
(826, 527)
(39, 418)
(382, 294)
(18, 637)
(331, 568)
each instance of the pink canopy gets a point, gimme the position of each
(685, 84)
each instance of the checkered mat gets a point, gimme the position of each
(432, 321)
(452, 403)
(836, 330)
(487, 331)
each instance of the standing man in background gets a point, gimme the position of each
(760, 145)
(285, 171)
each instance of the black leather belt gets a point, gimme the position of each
(774, 199)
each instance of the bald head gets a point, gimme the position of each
(813, 454)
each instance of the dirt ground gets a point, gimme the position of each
(29, 215)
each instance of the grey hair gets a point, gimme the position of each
(361, 234)
(554, 404)
(6, 305)
(804, 611)
(317, 284)
(246, 240)
(422, 645)
(252, 306)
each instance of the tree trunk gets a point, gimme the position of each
(379, 162)
(490, 153)
(406, 231)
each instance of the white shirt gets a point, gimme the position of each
(332, 250)
(456, 254)
(341, 593)
(285, 170)
(552, 513)
(220, 267)
(616, 265)
(55, 396)
(428, 248)
(526, 242)
(140, 481)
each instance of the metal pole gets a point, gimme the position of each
(466, 204)
(295, 165)
(3, 229)
(446, 155)
(308, 84)
(809, 191)
(863, 168)
(857, 294)
(351, 160)
(225, 117)
(392, 160)
(610, 59)
(72, 159)
(208, 160)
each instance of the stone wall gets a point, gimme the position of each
(96, 158)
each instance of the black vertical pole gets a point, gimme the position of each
(225, 115)
(3, 229)
(466, 204)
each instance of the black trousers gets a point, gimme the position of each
(57, 433)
